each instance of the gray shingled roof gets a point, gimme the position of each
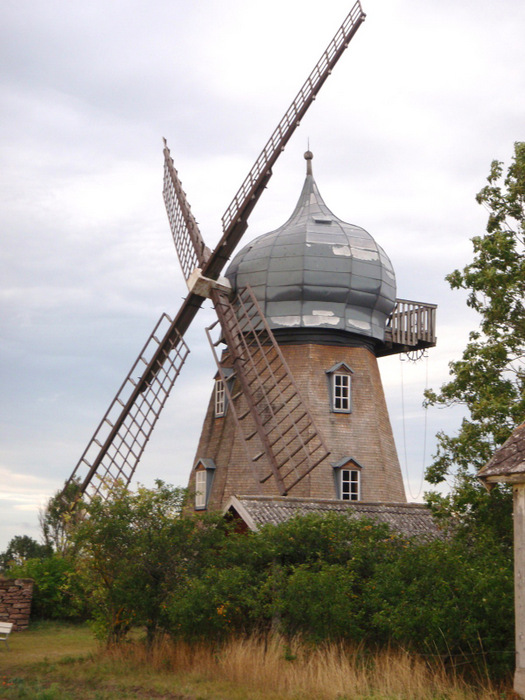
(410, 519)
(508, 462)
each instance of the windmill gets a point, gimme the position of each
(278, 418)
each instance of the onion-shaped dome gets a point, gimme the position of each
(318, 272)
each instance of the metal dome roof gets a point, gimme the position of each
(318, 272)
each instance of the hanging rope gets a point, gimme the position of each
(414, 357)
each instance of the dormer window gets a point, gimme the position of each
(200, 488)
(204, 472)
(350, 479)
(340, 386)
(341, 392)
(220, 392)
(220, 398)
(347, 475)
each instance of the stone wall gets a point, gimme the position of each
(15, 601)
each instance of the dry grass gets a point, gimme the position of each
(64, 663)
(253, 669)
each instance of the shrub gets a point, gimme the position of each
(450, 598)
(57, 594)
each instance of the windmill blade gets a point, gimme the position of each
(118, 443)
(281, 423)
(116, 447)
(188, 241)
(234, 220)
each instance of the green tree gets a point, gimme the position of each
(450, 598)
(133, 550)
(59, 517)
(489, 379)
(20, 549)
(57, 594)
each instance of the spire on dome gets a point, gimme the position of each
(308, 156)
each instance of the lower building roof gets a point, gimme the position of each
(508, 462)
(409, 519)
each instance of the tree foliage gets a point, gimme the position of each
(448, 597)
(133, 549)
(20, 549)
(332, 578)
(489, 379)
(305, 576)
(57, 592)
(136, 560)
(59, 518)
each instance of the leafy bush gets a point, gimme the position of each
(133, 550)
(57, 594)
(320, 604)
(220, 604)
(335, 579)
(138, 560)
(449, 598)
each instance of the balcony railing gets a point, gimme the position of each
(411, 325)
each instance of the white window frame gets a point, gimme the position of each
(219, 398)
(341, 392)
(350, 484)
(339, 383)
(200, 488)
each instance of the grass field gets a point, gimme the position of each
(63, 662)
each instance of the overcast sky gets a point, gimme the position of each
(403, 134)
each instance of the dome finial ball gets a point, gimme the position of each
(308, 158)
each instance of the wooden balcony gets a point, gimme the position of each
(411, 326)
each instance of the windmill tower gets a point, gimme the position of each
(327, 293)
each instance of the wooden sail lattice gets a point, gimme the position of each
(118, 443)
(273, 416)
(294, 114)
(188, 241)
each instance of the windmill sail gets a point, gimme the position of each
(119, 441)
(188, 241)
(273, 414)
(234, 220)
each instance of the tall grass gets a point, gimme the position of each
(274, 668)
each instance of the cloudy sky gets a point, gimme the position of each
(403, 134)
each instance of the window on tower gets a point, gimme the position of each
(341, 392)
(347, 477)
(223, 385)
(204, 473)
(340, 388)
(200, 489)
(350, 484)
(220, 398)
